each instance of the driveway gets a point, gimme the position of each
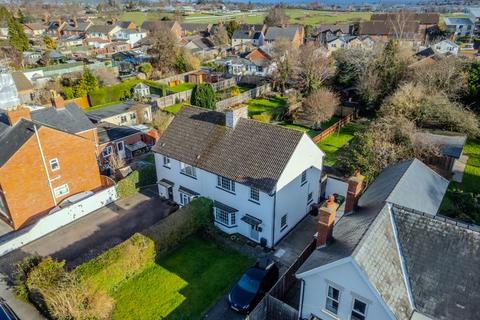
(221, 311)
(88, 237)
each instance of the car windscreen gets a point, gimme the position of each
(249, 284)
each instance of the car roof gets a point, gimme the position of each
(256, 273)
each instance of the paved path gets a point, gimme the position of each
(86, 238)
(459, 168)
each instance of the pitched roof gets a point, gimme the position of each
(449, 145)
(241, 34)
(276, 33)
(343, 28)
(12, 138)
(70, 119)
(253, 153)
(106, 29)
(442, 260)
(108, 132)
(475, 11)
(449, 21)
(124, 24)
(21, 81)
(410, 184)
(157, 24)
(386, 28)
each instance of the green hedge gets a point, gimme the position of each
(139, 252)
(135, 180)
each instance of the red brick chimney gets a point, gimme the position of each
(355, 185)
(18, 113)
(325, 222)
(57, 100)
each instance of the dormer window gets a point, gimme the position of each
(54, 165)
(188, 170)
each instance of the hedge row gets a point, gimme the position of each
(109, 270)
(134, 181)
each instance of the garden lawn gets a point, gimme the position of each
(174, 108)
(471, 176)
(332, 144)
(184, 86)
(276, 106)
(312, 133)
(181, 285)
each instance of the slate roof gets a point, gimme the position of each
(12, 138)
(449, 145)
(253, 153)
(241, 34)
(71, 119)
(410, 184)
(114, 110)
(276, 33)
(343, 28)
(108, 132)
(442, 262)
(427, 52)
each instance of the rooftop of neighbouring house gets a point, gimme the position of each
(278, 33)
(114, 110)
(252, 153)
(450, 145)
(108, 132)
(440, 254)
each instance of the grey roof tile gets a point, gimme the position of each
(253, 153)
(70, 119)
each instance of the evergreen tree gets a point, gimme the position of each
(16, 36)
(203, 96)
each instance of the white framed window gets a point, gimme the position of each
(3, 205)
(283, 222)
(225, 183)
(54, 164)
(61, 190)
(310, 197)
(107, 151)
(185, 199)
(146, 115)
(254, 194)
(188, 170)
(120, 146)
(123, 119)
(304, 177)
(133, 116)
(225, 217)
(166, 161)
(333, 299)
(359, 310)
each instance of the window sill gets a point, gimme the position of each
(167, 167)
(303, 183)
(330, 313)
(225, 225)
(193, 177)
(256, 202)
(283, 228)
(226, 190)
(309, 201)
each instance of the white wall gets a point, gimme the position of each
(351, 283)
(206, 185)
(54, 221)
(335, 186)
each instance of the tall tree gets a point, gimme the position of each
(203, 96)
(319, 106)
(164, 50)
(276, 17)
(315, 67)
(220, 37)
(232, 26)
(285, 57)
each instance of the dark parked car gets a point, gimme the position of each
(253, 285)
(6, 313)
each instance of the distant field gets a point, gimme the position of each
(300, 16)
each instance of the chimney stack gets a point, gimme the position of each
(57, 100)
(325, 222)
(355, 185)
(18, 113)
(234, 114)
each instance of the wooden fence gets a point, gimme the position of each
(182, 77)
(243, 97)
(330, 130)
(271, 307)
(172, 99)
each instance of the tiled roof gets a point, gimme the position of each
(105, 29)
(276, 33)
(69, 119)
(387, 28)
(253, 153)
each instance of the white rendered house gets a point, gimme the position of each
(263, 178)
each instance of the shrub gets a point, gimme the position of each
(62, 295)
(135, 180)
(118, 264)
(235, 91)
(204, 96)
(263, 117)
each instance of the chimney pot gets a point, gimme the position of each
(57, 100)
(355, 185)
(326, 221)
(234, 114)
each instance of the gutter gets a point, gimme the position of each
(302, 296)
(274, 214)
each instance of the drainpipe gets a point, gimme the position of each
(45, 165)
(273, 224)
(302, 294)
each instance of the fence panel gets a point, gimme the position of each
(243, 97)
(330, 130)
(279, 310)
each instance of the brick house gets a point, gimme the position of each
(59, 146)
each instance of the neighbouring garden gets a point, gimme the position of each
(141, 278)
(335, 142)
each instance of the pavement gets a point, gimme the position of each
(86, 238)
(459, 168)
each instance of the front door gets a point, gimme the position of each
(121, 149)
(170, 193)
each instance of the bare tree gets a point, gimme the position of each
(161, 120)
(115, 163)
(164, 50)
(319, 107)
(276, 17)
(220, 37)
(285, 58)
(400, 23)
(315, 67)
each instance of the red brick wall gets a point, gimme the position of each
(24, 181)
